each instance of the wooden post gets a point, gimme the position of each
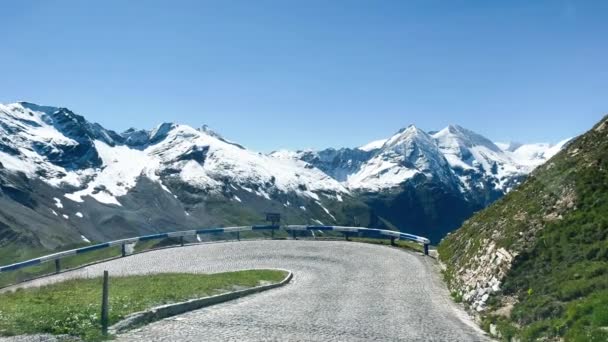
(57, 266)
(104, 304)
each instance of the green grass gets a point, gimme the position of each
(9, 254)
(73, 307)
(13, 252)
(410, 245)
(70, 262)
(23, 274)
(560, 276)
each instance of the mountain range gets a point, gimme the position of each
(66, 181)
(428, 183)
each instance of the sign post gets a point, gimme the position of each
(104, 304)
(275, 219)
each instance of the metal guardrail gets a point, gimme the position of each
(347, 231)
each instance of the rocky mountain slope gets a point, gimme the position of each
(429, 183)
(535, 264)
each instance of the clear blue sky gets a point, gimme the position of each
(297, 74)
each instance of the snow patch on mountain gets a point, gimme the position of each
(456, 156)
(534, 155)
(374, 145)
(379, 174)
(209, 159)
(193, 173)
(466, 150)
(122, 166)
(326, 210)
(409, 152)
(85, 160)
(67, 152)
(58, 203)
(24, 131)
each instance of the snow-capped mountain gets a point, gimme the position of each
(428, 183)
(59, 170)
(337, 163)
(531, 156)
(406, 154)
(64, 180)
(66, 151)
(454, 156)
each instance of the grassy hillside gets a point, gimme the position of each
(544, 248)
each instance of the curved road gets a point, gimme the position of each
(340, 292)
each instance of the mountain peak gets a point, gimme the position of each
(458, 135)
(37, 108)
(206, 129)
(409, 128)
(373, 145)
(160, 132)
(457, 129)
(408, 133)
(409, 152)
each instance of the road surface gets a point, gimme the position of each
(341, 291)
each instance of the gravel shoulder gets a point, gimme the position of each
(340, 292)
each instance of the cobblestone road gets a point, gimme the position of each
(340, 292)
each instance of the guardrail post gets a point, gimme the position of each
(123, 250)
(181, 241)
(57, 266)
(393, 241)
(272, 234)
(346, 236)
(104, 304)
(238, 236)
(293, 234)
(426, 249)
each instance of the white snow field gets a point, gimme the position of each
(207, 160)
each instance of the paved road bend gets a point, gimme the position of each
(341, 291)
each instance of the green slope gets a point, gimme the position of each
(555, 226)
